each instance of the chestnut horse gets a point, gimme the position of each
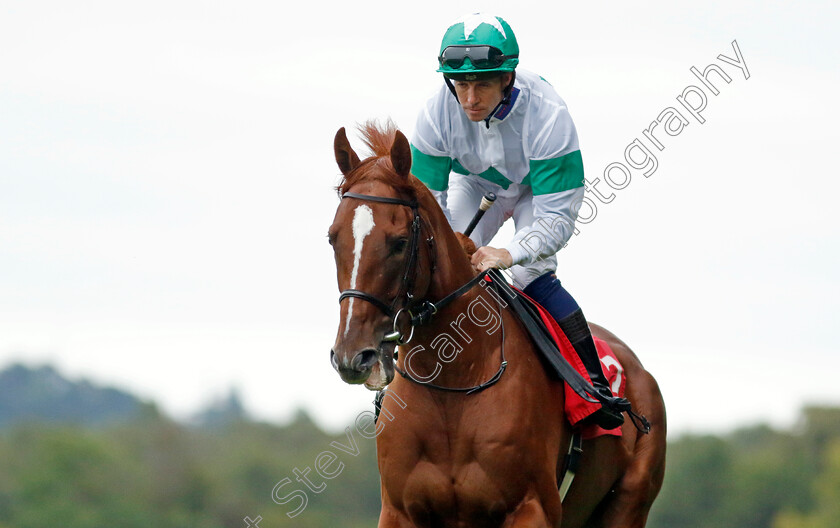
(490, 454)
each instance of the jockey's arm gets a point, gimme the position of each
(553, 226)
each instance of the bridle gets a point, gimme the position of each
(420, 312)
(425, 309)
(409, 275)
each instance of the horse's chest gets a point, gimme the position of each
(482, 474)
(441, 496)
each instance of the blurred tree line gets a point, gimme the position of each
(755, 478)
(152, 471)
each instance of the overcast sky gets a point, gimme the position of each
(167, 174)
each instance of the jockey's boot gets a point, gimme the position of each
(609, 415)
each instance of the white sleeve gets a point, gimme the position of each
(556, 172)
(431, 161)
(554, 223)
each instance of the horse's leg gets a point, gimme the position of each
(603, 461)
(529, 514)
(391, 518)
(629, 503)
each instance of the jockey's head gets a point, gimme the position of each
(478, 58)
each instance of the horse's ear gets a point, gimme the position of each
(401, 155)
(345, 156)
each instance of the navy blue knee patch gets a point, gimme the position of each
(548, 291)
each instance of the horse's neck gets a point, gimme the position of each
(453, 265)
(467, 329)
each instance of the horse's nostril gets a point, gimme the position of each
(333, 359)
(364, 360)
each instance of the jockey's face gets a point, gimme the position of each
(479, 98)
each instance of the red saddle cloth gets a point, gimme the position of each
(576, 407)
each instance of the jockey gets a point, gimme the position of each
(507, 131)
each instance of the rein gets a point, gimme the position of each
(426, 308)
(476, 388)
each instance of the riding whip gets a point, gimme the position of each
(486, 201)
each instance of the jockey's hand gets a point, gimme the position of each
(487, 257)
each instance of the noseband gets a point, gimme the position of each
(426, 309)
(409, 275)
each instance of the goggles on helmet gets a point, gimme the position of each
(481, 57)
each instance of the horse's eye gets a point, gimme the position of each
(399, 246)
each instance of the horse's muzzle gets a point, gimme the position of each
(358, 369)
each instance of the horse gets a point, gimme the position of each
(490, 450)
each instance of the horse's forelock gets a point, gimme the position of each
(378, 138)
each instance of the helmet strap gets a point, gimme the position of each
(451, 87)
(505, 97)
(509, 89)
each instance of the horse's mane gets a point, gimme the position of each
(379, 138)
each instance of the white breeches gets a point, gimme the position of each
(463, 197)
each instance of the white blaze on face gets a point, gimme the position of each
(362, 226)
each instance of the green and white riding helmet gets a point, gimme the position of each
(478, 46)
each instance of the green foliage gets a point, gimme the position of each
(156, 472)
(755, 478)
(695, 483)
(67, 477)
(826, 489)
